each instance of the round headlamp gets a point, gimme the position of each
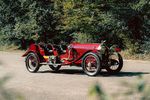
(99, 47)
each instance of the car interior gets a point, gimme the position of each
(48, 49)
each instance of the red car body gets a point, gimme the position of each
(81, 50)
(87, 54)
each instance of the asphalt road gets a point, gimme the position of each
(70, 83)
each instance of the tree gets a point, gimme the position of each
(123, 22)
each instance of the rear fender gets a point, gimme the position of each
(32, 48)
(27, 52)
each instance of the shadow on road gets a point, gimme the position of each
(103, 73)
(65, 71)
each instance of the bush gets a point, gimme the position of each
(145, 47)
(84, 37)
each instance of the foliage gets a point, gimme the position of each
(139, 90)
(87, 18)
(84, 37)
(122, 23)
(6, 94)
(125, 23)
(25, 18)
(146, 46)
(97, 92)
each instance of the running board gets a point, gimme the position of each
(49, 64)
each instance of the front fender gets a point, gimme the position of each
(95, 52)
(114, 48)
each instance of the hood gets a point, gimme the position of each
(89, 46)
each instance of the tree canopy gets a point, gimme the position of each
(123, 22)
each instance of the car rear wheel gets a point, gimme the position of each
(32, 62)
(91, 64)
(115, 63)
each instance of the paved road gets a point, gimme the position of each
(69, 84)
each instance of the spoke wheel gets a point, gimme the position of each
(115, 63)
(32, 62)
(91, 64)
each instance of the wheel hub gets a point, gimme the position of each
(89, 64)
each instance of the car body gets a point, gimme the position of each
(92, 57)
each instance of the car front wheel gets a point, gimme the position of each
(115, 63)
(91, 64)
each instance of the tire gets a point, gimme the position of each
(55, 68)
(32, 62)
(90, 61)
(119, 62)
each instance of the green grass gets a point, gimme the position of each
(140, 56)
(8, 47)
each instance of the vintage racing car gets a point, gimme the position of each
(92, 57)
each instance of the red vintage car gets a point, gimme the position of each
(92, 57)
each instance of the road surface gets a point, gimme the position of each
(69, 84)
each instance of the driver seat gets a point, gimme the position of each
(47, 49)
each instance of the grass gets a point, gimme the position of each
(7, 47)
(141, 56)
